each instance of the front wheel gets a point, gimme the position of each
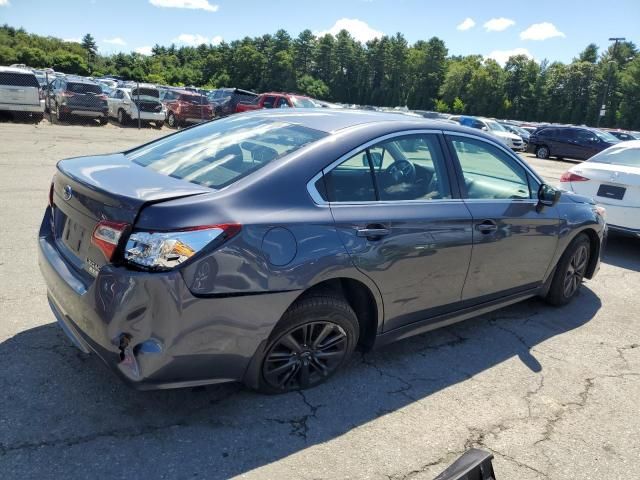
(314, 338)
(122, 117)
(570, 271)
(158, 125)
(542, 152)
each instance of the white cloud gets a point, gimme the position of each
(72, 40)
(498, 24)
(193, 40)
(115, 41)
(146, 50)
(541, 31)
(190, 4)
(4, 3)
(466, 24)
(501, 56)
(358, 29)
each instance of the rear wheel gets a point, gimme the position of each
(542, 152)
(314, 338)
(570, 271)
(37, 117)
(122, 117)
(103, 120)
(158, 125)
(60, 117)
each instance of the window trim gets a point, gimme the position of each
(318, 200)
(459, 176)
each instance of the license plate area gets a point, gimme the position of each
(611, 192)
(74, 236)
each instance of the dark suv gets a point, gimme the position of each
(224, 100)
(580, 143)
(77, 96)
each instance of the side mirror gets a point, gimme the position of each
(548, 196)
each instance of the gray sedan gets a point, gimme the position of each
(266, 247)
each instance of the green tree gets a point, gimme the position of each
(458, 106)
(90, 46)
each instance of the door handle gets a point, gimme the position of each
(373, 232)
(488, 226)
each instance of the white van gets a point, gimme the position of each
(20, 93)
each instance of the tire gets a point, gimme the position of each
(122, 117)
(103, 120)
(542, 152)
(570, 271)
(172, 121)
(37, 117)
(157, 125)
(313, 340)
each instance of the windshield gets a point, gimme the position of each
(606, 136)
(625, 153)
(219, 153)
(495, 126)
(302, 102)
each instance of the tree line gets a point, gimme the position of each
(386, 71)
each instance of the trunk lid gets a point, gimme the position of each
(105, 187)
(19, 88)
(604, 174)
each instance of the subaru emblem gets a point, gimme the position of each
(68, 193)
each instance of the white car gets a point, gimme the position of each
(20, 93)
(126, 104)
(493, 128)
(612, 179)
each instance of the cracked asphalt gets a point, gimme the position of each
(552, 392)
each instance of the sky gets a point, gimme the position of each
(542, 29)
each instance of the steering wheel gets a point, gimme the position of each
(401, 171)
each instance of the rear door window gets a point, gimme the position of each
(268, 101)
(18, 79)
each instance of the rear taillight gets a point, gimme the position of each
(51, 194)
(167, 250)
(102, 97)
(569, 176)
(66, 93)
(106, 237)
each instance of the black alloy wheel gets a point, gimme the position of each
(305, 355)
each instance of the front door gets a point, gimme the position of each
(513, 240)
(395, 213)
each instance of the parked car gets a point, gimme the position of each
(276, 100)
(127, 104)
(20, 93)
(183, 107)
(71, 96)
(516, 130)
(612, 178)
(492, 127)
(579, 143)
(623, 136)
(225, 100)
(262, 248)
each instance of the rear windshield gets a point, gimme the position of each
(219, 153)
(18, 79)
(302, 102)
(84, 88)
(196, 99)
(145, 92)
(625, 153)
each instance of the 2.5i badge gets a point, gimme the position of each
(92, 267)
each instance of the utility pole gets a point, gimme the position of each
(603, 108)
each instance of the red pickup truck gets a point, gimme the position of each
(276, 100)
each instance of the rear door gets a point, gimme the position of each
(19, 88)
(402, 225)
(513, 243)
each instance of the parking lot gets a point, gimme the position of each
(552, 392)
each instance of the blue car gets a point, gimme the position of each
(266, 247)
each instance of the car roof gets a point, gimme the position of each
(332, 120)
(74, 79)
(23, 71)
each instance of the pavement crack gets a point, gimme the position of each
(299, 425)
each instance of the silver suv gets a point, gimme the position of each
(20, 93)
(126, 104)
